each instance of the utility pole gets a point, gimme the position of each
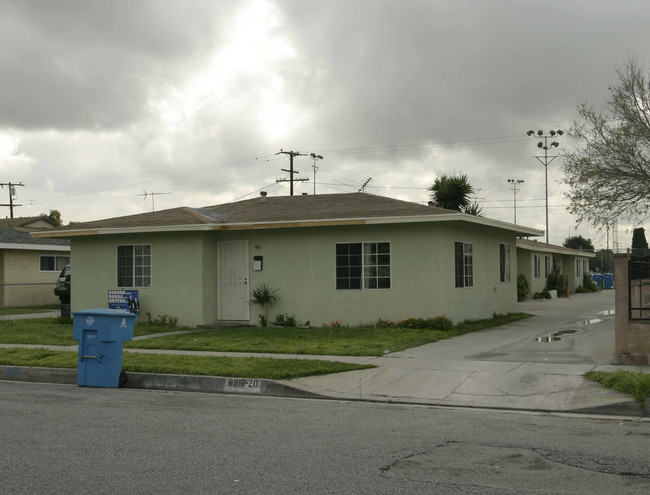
(291, 171)
(152, 194)
(315, 157)
(515, 183)
(12, 192)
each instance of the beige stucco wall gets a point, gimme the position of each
(301, 264)
(22, 266)
(566, 263)
(179, 282)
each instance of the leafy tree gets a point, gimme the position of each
(638, 239)
(453, 192)
(578, 242)
(474, 209)
(639, 242)
(603, 262)
(608, 172)
(54, 216)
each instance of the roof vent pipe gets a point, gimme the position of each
(430, 203)
(263, 195)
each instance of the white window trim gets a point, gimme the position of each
(117, 275)
(464, 286)
(363, 266)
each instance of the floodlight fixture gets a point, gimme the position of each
(545, 160)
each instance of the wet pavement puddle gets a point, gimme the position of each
(555, 336)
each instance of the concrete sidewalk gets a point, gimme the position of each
(535, 364)
(522, 365)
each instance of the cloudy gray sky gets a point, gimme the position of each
(102, 101)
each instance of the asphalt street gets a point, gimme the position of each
(67, 440)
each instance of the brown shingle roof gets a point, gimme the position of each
(542, 246)
(273, 209)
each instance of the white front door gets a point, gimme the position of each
(232, 264)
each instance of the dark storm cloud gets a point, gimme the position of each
(89, 64)
(408, 71)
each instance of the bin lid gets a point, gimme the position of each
(105, 312)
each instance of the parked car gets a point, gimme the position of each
(62, 288)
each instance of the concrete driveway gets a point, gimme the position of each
(534, 364)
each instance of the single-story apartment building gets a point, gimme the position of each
(29, 266)
(349, 257)
(536, 260)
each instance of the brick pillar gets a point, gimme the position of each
(622, 319)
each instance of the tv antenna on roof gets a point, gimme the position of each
(152, 194)
(363, 186)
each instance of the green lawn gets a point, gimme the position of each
(363, 341)
(635, 383)
(360, 341)
(272, 369)
(24, 311)
(50, 331)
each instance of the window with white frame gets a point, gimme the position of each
(464, 264)
(363, 265)
(578, 263)
(537, 261)
(52, 263)
(504, 262)
(585, 266)
(134, 265)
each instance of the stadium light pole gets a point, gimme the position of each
(546, 159)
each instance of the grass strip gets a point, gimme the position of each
(272, 369)
(55, 331)
(358, 341)
(634, 383)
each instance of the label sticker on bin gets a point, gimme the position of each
(90, 321)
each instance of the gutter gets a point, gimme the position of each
(455, 217)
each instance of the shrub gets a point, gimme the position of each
(335, 324)
(523, 288)
(163, 320)
(556, 281)
(545, 294)
(440, 322)
(284, 320)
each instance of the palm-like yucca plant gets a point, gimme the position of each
(264, 296)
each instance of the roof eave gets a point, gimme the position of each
(440, 217)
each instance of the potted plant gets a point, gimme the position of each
(264, 296)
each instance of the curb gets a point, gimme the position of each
(154, 381)
(264, 387)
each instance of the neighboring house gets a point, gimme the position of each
(29, 266)
(348, 257)
(536, 260)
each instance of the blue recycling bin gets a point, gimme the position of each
(608, 280)
(598, 278)
(101, 334)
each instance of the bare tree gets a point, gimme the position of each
(609, 169)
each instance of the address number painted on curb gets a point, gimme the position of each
(243, 386)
